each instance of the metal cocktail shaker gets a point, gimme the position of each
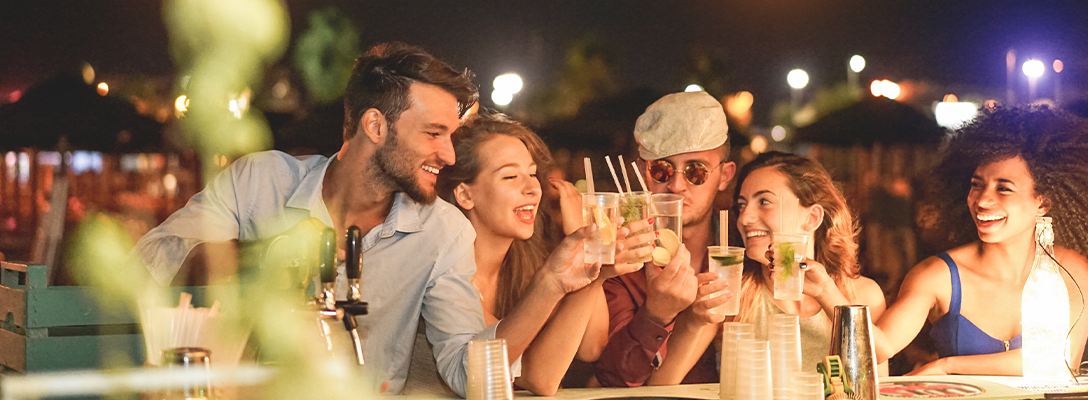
(852, 341)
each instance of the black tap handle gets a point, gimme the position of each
(327, 257)
(354, 255)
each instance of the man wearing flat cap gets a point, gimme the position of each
(659, 326)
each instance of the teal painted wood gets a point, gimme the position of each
(84, 352)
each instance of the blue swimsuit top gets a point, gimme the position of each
(955, 335)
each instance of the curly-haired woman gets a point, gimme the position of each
(1011, 165)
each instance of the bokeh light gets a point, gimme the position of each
(510, 83)
(778, 133)
(885, 88)
(103, 88)
(1058, 66)
(952, 115)
(759, 144)
(857, 63)
(1034, 68)
(501, 98)
(693, 88)
(797, 79)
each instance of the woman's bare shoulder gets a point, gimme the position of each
(868, 291)
(1074, 262)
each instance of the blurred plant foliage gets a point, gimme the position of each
(223, 47)
(325, 53)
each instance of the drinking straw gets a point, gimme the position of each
(796, 216)
(608, 160)
(589, 177)
(723, 228)
(623, 167)
(639, 176)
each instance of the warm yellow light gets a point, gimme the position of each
(88, 73)
(693, 88)
(170, 183)
(103, 88)
(739, 103)
(181, 103)
(877, 88)
(950, 98)
(501, 98)
(1058, 66)
(759, 144)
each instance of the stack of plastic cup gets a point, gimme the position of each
(784, 334)
(732, 334)
(807, 386)
(753, 370)
(488, 370)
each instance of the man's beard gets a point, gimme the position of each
(395, 170)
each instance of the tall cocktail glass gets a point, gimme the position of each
(728, 262)
(601, 209)
(635, 206)
(789, 249)
(666, 210)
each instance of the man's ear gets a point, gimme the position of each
(728, 170)
(373, 124)
(463, 197)
(814, 216)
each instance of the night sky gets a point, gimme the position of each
(946, 42)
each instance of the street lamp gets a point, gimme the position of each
(797, 79)
(856, 64)
(1033, 69)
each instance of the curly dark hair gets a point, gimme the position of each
(525, 256)
(381, 78)
(1053, 143)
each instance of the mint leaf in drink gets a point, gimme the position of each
(632, 208)
(785, 260)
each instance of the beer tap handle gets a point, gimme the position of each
(327, 260)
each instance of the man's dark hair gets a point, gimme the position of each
(382, 76)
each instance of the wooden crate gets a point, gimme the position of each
(51, 328)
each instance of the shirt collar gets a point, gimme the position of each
(404, 216)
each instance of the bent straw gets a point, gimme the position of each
(589, 176)
(608, 160)
(639, 176)
(623, 167)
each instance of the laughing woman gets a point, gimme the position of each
(779, 185)
(494, 182)
(1011, 166)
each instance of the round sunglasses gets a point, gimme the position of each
(696, 172)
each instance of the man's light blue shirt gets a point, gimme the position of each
(418, 262)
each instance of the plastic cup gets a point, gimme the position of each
(753, 370)
(666, 209)
(789, 249)
(732, 334)
(601, 209)
(784, 334)
(488, 370)
(728, 262)
(635, 206)
(807, 386)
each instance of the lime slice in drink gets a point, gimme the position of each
(728, 260)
